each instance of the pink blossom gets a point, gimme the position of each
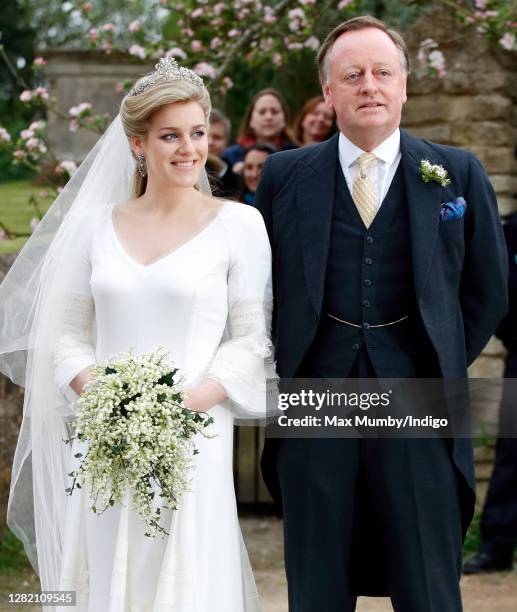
(294, 46)
(42, 93)
(296, 13)
(108, 27)
(32, 143)
(218, 8)
(277, 59)
(312, 43)
(343, 4)
(233, 33)
(93, 34)
(73, 125)
(242, 14)
(307, 1)
(187, 32)
(196, 45)
(80, 109)
(26, 96)
(437, 61)
(197, 13)
(40, 61)
(491, 14)
(228, 82)
(135, 25)
(176, 52)
(18, 154)
(205, 69)
(67, 166)
(4, 135)
(269, 18)
(26, 134)
(508, 41)
(87, 7)
(216, 42)
(470, 19)
(481, 4)
(107, 46)
(37, 125)
(137, 50)
(218, 21)
(119, 87)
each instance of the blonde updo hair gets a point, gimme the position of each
(136, 111)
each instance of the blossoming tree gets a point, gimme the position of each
(210, 36)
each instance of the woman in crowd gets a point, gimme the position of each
(315, 123)
(254, 158)
(265, 121)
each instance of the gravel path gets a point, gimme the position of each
(491, 593)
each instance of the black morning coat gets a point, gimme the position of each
(460, 266)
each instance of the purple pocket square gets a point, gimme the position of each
(453, 210)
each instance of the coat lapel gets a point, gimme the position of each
(424, 202)
(316, 175)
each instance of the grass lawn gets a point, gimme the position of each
(16, 213)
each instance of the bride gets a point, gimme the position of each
(134, 254)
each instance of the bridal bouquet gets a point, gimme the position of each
(138, 432)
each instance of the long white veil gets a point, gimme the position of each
(33, 296)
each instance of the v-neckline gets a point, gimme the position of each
(168, 254)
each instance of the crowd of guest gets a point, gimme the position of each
(266, 128)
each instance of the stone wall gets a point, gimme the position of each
(85, 76)
(474, 108)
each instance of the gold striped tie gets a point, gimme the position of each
(363, 191)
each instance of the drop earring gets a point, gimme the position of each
(141, 165)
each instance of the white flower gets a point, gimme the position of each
(137, 50)
(133, 409)
(433, 172)
(135, 26)
(343, 4)
(4, 135)
(26, 134)
(67, 166)
(196, 45)
(312, 43)
(197, 13)
(205, 69)
(228, 82)
(37, 125)
(296, 13)
(176, 52)
(216, 42)
(42, 93)
(233, 33)
(26, 95)
(77, 111)
(508, 41)
(436, 60)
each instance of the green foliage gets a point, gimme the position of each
(15, 211)
(12, 554)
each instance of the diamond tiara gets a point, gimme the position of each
(167, 69)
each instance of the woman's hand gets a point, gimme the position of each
(80, 380)
(205, 396)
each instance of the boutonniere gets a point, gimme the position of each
(434, 172)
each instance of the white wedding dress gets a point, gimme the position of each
(208, 302)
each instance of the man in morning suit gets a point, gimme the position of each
(377, 273)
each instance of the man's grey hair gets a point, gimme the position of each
(355, 24)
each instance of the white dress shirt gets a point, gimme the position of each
(382, 169)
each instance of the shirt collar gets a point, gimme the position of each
(387, 151)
